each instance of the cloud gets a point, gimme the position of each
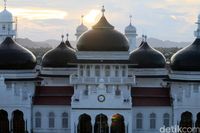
(163, 19)
(173, 17)
(38, 14)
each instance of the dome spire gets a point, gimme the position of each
(130, 19)
(144, 38)
(103, 10)
(82, 17)
(67, 35)
(62, 36)
(5, 4)
(197, 32)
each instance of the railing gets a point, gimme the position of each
(106, 80)
(12, 32)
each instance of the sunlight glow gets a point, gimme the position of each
(92, 16)
(38, 14)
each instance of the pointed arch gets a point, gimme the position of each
(186, 120)
(84, 125)
(197, 123)
(18, 122)
(4, 122)
(101, 124)
(118, 125)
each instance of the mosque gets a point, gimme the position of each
(104, 85)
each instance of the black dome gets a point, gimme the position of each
(14, 56)
(59, 57)
(188, 58)
(147, 57)
(102, 37)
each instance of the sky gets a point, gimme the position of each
(40, 20)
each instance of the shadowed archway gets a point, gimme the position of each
(84, 125)
(4, 122)
(101, 124)
(197, 123)
(18, 122)
(186, 121)
(118, 125)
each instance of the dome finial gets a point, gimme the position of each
(62, 36)
(5, 4)
(144, 38)
(130, 19)
(197, 32)
(82, 16)
(67, 36)
(103, 10)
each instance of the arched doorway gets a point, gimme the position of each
(197, 123)
(4, 122)
(84, 125)
(101, 124)
(18, 122)
(186, 121)
(118, 125)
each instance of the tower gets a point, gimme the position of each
(197, 32)
(130, 33)
(81, 29)
(6, 24)
(102, 95)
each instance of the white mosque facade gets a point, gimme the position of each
(105, 85)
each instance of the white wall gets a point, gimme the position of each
(58, 111)
(146, 111)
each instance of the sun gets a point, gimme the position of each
(91, 16)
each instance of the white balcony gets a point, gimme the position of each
(106, 80)
(6, 33)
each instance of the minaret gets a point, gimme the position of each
(6, 24)
(130, 33)
(197, 32)
(80, 29)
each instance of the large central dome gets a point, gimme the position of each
(103, 37)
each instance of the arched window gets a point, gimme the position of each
(81, 70)
(3, 27)
(107, 71)
(97, 71)
(65, 120)
(123, 71)
(139, 121)
(38, 120)
(51, 120)
(88, 71)
(117, 71)
(166, 120)
(152, 121)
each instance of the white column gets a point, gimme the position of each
(78, 71)
(10, 120)
(109, 125)
(126, 126)
(93, 123)
(194, 118)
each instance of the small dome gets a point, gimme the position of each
(187, 59)
(147, 57)
(102, 37)
(130, 29)
(6, 16)
(59, 57)
(81, 28)
(14, 56)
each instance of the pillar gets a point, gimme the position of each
(93, 123)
